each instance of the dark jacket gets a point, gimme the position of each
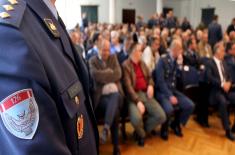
(213, 76)
(230, 61)
(215, 33)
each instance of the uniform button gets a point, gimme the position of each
(77, 101)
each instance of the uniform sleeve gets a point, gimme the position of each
(21, 69)
(160, 81)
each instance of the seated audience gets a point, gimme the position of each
(140, 90)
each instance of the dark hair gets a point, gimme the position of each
(190, 42)
(215, 17)
(153, 39)
(229, 46)
(132, 47)
(95, 37)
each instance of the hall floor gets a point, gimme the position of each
(196, 141)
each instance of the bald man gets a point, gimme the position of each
(44, 84)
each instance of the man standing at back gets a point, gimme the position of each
(44, 101)
(215, 33)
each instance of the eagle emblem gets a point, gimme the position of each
(20, 114)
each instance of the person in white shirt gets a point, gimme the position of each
(151, 54)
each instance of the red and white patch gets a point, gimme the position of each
(20, 114)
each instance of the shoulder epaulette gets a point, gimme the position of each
(12, 12)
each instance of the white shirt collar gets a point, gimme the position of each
(51, 7)
(217, 60)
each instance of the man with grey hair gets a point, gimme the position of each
(173, 102)
(221, 94)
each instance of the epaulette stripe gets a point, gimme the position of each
(11, 12)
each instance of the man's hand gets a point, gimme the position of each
(150, 91)
(173, 100)
(227, 86)
(141, 107)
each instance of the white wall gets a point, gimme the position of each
(70, 10)
(192, 9)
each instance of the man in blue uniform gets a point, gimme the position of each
(44, 84)
(172, 101)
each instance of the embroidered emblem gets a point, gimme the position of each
(20, 114)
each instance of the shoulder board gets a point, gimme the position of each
(12, 12)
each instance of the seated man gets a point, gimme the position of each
(172, 101)
(230, 59)
(96, 40)
(191, 56)
(106, 73)
(140, 88)
(220, 79)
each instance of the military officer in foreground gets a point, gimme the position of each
(173, 102)
(45, 106)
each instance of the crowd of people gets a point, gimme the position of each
(143, 67)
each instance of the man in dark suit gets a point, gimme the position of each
(221, 95)
(191, 57)
(230, 59)
(44, 101)
(215, 33)
(231, 27)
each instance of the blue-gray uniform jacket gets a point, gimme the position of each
(165, 76)
(44, 85)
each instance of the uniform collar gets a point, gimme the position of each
(51, 7)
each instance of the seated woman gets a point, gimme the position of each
(140, 90)
(106, 73)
